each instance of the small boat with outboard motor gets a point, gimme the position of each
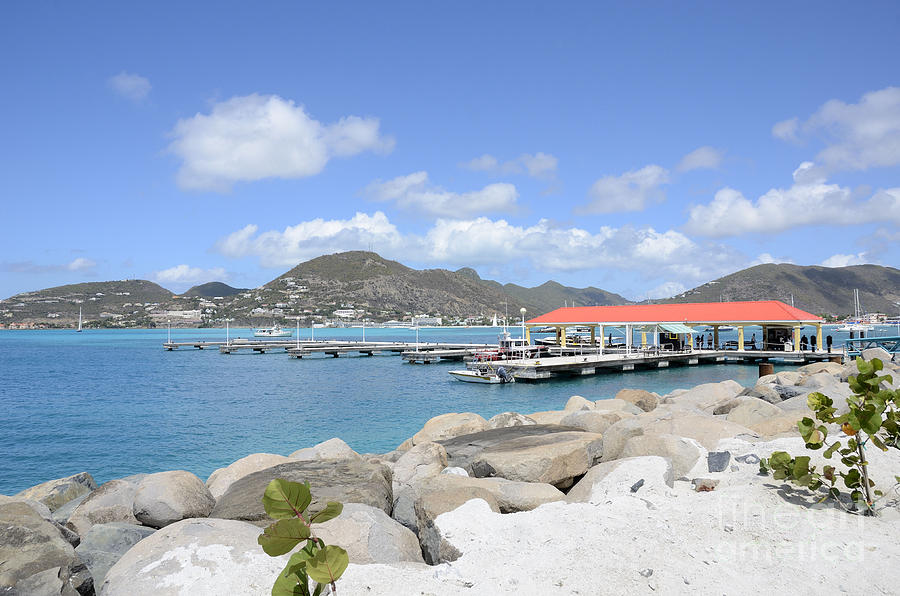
(484, 374)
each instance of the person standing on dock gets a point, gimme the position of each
(828, 342)
(753, 342)
(803, 343)
(812, 342)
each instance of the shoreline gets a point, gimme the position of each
(676, 472)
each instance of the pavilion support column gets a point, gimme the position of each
(716, 337)
(594, 336)
(797, 338)
(740, 338)
(562, 336)
(643, 339)
(628, 338)
(528, 335)
(602, 339)
(765, 346)
(558, 336)
(818, 336)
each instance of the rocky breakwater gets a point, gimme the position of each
(639, 493)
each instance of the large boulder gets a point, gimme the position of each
(682, 453)
(833, 368)
(645, 400)
(576, 402)
(537, 453)
(450, 425)
(56, 581)
(112, 502)
(104, 544)
(219, 481)
(636, 476)
(877, 352)
(29, 544)
(617, 405)
(705, 397)
(369, 535)
(751, 410)
(347, 481)
(37, 506)
(196, 556)
(593, 421)
(507, 419)
(549, 416)
(168, 497)
(62, 514)
(334, 448)
(783, 424)
(435, 549)
(788, 377)
(763, 391)
(420, 463)
(56, 493)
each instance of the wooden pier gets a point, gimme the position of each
(296, 349)
(593, 362)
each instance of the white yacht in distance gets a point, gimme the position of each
(856, 325)
(273, 331)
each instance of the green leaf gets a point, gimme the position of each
(851, 478)
(291, 583)
(282, 536)
(331, 511)
(801, 466)
(806, 427)
(284, 499)
(830, 451)
(869, 420)
(328, 564)
(779, 459)
(877, 442)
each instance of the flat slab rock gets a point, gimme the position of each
(347, 481)
(551, 454)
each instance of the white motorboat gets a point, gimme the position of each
(483, 375)
(273, 331)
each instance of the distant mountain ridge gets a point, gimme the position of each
(384, 289)
(815, 289)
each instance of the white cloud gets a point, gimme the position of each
(540, 165)
(705, 157)
(313, 238)
(483, 241)
(809, 201)
(130, 86)
(414, 192)
(80, 264)
(631, 191)
(786, 130)
(264, 136)
(846, 260)
(185, 274)
(667, 290)
(857, 136)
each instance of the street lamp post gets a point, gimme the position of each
(227, 332)
(298, 329)
(169, 335)
(522, 311)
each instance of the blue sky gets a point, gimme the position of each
(644, 148)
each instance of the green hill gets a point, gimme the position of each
(212, 289)
(816, 289)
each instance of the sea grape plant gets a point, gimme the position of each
(288, 502)
(873, 419)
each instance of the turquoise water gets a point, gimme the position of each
(113, 402)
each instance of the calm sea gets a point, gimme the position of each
(113, 402)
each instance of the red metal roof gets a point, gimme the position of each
(761, 311)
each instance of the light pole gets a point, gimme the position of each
(417, 336)
(364, 328)
(227, 335)
(298, 329)
(169, 335)
(522, 311)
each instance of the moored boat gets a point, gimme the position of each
(273, 331)
(483, 374)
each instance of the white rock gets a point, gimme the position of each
(507, 419)
(167, 497)
(219, 481)
(370, 536)
(450, 425)
(196, 556)
(576, 402)
(617, 478)
(334, 448)
(617, 405)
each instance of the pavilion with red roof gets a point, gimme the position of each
(776, 318)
